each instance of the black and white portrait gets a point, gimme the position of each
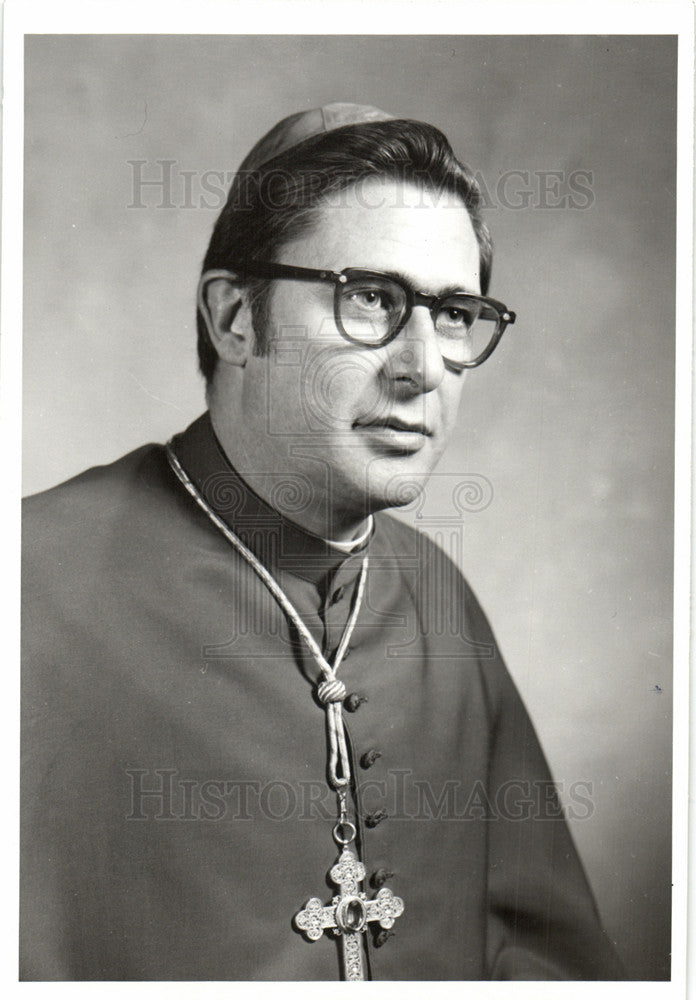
(348, 548)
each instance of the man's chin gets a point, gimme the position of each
(397, 481)
(397, 490)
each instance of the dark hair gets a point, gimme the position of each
(275, 204)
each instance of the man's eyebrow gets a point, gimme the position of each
(441, 293)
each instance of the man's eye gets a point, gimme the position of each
(370, 299)
(452, 316)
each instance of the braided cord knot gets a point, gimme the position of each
(331, 691)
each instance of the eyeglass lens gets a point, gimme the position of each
(371, 308)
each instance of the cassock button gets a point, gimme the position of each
(378, 878)
(369, 758)
(382, 938)
(375, 818)
(353, 701)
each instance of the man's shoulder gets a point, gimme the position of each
(91, 480)
(436, 575)
(441, 592)
(106, 500)
(409, 544)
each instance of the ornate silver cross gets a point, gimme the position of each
(349, 913)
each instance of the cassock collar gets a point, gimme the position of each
(279, 543)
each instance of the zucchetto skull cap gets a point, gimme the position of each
(303, 125)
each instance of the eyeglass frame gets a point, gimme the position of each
(292, 272)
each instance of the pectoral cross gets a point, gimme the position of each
(349, 913)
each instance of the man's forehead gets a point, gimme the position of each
(395, 226)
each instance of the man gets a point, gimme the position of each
(248, 752)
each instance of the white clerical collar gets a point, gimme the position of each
(353, 543)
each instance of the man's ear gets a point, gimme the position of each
(226, 313)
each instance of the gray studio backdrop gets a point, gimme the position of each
(565, 437)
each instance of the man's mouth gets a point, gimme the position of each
(395, 424)
(393, 435)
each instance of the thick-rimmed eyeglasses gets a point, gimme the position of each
(372, 307)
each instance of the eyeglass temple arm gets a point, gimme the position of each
(261, 269)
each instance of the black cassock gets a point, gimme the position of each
(176, 814)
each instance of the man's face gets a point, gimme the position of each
(366, 425)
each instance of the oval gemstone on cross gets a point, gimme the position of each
(351, 914)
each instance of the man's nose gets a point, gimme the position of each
(416, 355)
